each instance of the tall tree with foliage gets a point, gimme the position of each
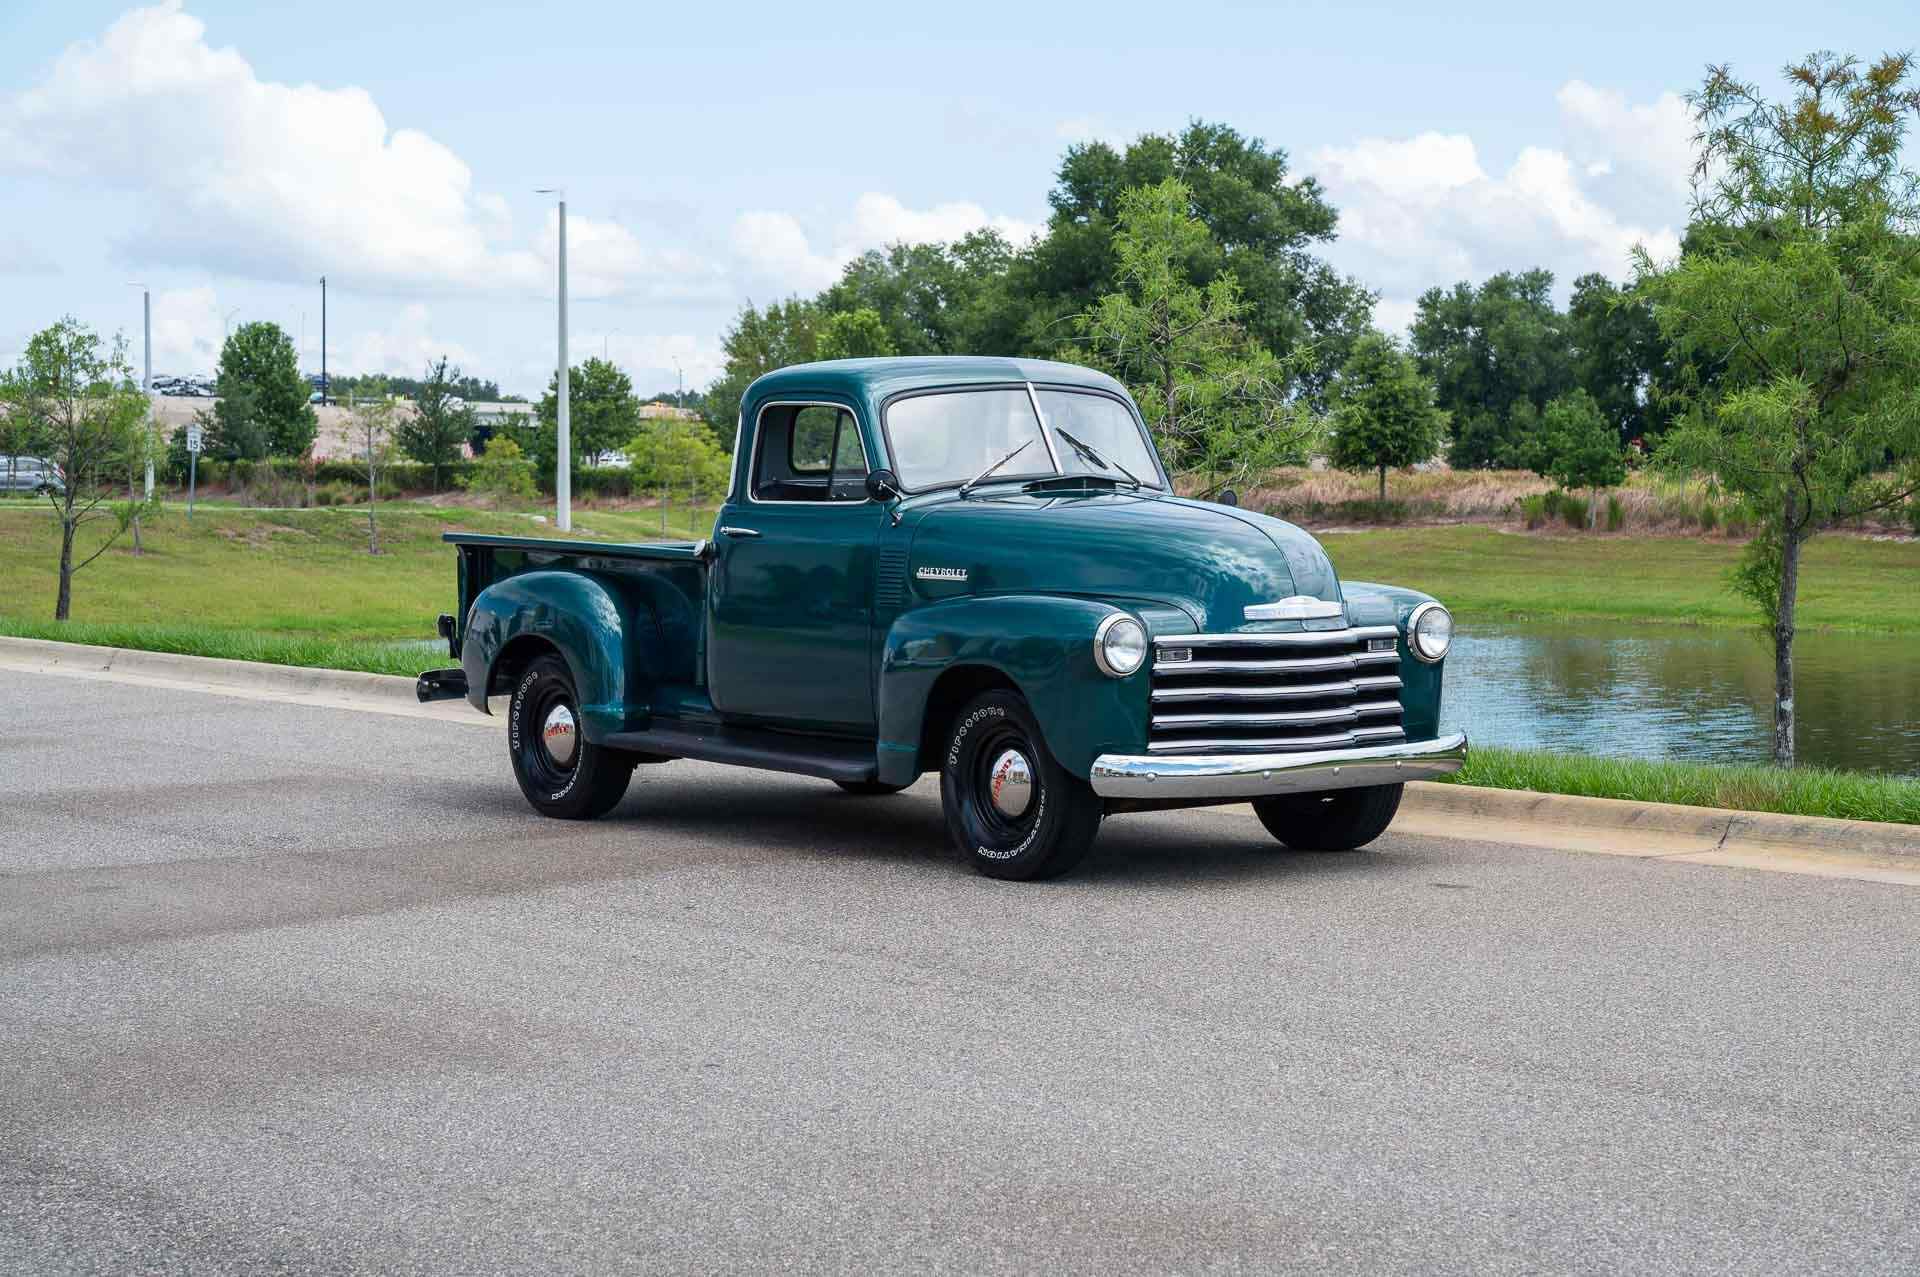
(1619, 356)
(1383, 416)
(77, 405)
(1263, 225)
(259, 364)
(602, 415)
(934, 299)
(854, 334)
(1580, 448)
(1220, 405)
(1497, 354)
(1810, 295)
(441, 421)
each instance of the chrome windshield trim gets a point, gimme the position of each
(1046, 434)
(1240, 775)
(1255, 638)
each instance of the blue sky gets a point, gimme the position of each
(228, 154)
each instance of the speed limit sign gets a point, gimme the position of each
(193, 438)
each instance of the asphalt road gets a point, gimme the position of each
(307, 989)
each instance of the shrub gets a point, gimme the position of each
(502, 473)
(1574, 511)
(1739, 521)
(1913, 515)
(1616, 515)
(1533, 509)
(1709, 515)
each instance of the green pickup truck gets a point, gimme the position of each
(970, 566)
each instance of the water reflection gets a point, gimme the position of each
(1700, 695)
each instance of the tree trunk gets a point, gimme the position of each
(63, 605)
(1383, 487)
(1783, 645)
(373, 532)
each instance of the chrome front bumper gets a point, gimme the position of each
(1258, 775)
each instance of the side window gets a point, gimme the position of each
(808, 452)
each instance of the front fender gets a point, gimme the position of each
(1043, 644)
(579, 615)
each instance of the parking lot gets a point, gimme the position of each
(294, 987)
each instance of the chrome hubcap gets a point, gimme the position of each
(560, 735)
(1011, 784)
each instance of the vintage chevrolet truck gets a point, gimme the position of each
(970, 566)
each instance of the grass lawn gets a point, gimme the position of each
(1481, 572)
(1803, 791)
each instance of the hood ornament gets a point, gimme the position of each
(1297, 607)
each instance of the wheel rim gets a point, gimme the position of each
(554, 752)
(1005, 797)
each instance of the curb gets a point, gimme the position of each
(1717, 827)
(206, 672)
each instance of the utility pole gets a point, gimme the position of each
(325, 386)
(146, 381)
(563, 476)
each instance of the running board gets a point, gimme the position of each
(828, 757)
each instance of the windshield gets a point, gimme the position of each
(949, 438)
(1104, 425)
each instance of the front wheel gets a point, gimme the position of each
(562, 773)
(1011, 809)
(1337, 820)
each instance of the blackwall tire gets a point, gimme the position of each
(1336, 820)
(562, 774)
(1011, 810)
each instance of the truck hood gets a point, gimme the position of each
(1209, 561)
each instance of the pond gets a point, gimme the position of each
(1698, 695)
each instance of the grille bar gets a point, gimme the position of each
(1291, 665)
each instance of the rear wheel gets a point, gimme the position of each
(1011, 809)
(562, 773)
(1336, 820)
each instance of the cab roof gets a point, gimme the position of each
(873, 380)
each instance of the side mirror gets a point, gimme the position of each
(1228, 497)
(883, 485)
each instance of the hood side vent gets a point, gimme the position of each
(890, 578)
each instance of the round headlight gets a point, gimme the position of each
(1430, 632)
(1120, 645)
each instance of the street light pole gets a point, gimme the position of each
(146, 375)
(563, 474)
(226, 324)
(326, 387)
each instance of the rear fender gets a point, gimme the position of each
(577, 615)
(1042, 644)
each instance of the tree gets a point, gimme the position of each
(78, 407)
(602, 415)
(1489, 351)
(1619, 357)
(1581, 448)
(934, 299)
(259, 363)
(370, 420)
(234, 430)
(441, 421)
(1218, 403)
(1383, 415)
(501, 472)
(1262, 225)
(1807, 289)
(853, 334)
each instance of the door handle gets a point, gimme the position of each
(727, 530)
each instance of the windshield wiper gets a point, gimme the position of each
(981, 478)
(1087, 452)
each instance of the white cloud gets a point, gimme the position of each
(776, 249)
(404, 347)
(1422, 211)
(249, 177)
(186, 331)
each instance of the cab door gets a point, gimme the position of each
(791, 602)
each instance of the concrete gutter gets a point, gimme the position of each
(1605, 826)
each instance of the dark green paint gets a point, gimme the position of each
(803, 636)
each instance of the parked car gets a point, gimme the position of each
(30, 474)
(975, 567)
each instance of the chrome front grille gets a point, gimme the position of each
(1260, 693)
